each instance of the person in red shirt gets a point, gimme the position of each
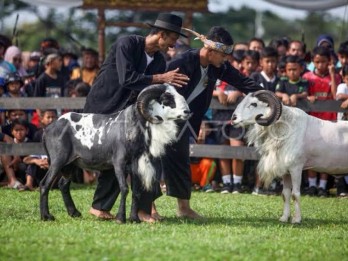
(323, 83)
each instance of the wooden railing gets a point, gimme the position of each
(210, 151)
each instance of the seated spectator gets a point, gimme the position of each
(6, 160)
(14, 114)
(203, 169)
(38, 164)
(19, 131)
(293, 87)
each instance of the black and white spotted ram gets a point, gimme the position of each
(136, 135)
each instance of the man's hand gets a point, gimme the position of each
(222, 97)
(171, 77)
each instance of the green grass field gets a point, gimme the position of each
(237, 227)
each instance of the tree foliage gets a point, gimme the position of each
(76, 28)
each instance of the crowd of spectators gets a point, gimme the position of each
(50, 71)
(284, 66)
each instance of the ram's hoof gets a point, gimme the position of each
(75, 213)
(47, 217)
(135, 219)
(284, 219)
(120, 219)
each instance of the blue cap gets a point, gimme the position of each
(325, 38)
(2, 81)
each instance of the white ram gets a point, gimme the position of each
(289, 141)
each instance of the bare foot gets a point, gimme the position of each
(144, 217)
(157, 216)
(189, 213)
(105, 215)
(154, 214)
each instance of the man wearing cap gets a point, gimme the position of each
(133, 63)
(203, 67)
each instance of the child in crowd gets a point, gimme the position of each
(13, 84)
(342, 95)
(12, 181)
(293, 87)
(38, 164)
(203, 169)
(342, 56)
(227, 134)
(267, 78)
(19, 131)
(323, 83)
(250, 62)
(256, 44)
(14, 114)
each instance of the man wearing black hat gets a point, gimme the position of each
(133, 63)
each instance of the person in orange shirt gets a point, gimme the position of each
(90, 67)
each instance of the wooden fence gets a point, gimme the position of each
(210, 151)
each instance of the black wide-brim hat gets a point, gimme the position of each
(168, 22)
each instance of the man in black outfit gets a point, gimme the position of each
(133, 63)
(203, 67)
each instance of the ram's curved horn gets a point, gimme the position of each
(274, 104)
(148, 94)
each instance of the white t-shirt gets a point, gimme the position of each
(200, 86)
(342, 88)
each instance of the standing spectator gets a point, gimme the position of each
(89, 69)
(256, 44)
(14, 55)
(281, 45)
(342, 56)
(323, 83)
(231, 169)
(250, 62)
(298, 48)
(342, 95)
(5, 66)
(50, 83)
(13, 84)
(267, 78)
(293, 87)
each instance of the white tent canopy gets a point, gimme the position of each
(310, 5)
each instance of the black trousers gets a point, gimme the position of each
(108, 190)
(176, 172)
(176, 166)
